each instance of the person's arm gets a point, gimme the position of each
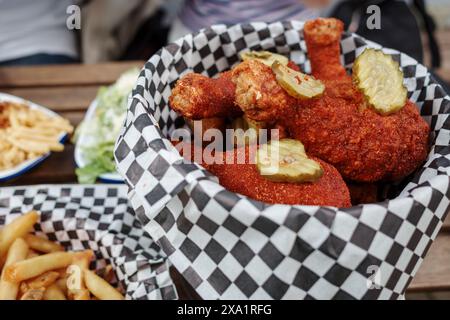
(108, 26)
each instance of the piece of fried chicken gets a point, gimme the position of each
(198, 97)
(338, 127)
(243, 177)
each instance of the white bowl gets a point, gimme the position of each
(29, 164)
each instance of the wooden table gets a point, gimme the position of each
(69, 90)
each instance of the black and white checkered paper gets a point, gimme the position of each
(98, 218)
(229, 246)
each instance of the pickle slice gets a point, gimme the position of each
(266, 57)
(297, 84)
(380, 79)
(285, 160)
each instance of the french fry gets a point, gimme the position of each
(30, 146)
(54, 275)
(33, 294)
(43, 281)
(35, 137)
(61, 283)
(16, 229)
(23, 288)
(32, 254)
(82, 294)
(33, 267)
(17, 252)
(28, 133)
(61, 126)
(42, 245)
(62, 272)
(100, 288)
(37, 131)
(53, 292)
(81, 260)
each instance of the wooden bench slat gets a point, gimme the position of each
(444, 73)
(58, 98)
(434, 273)
(75, 117)
(446, 225)
(64, 75)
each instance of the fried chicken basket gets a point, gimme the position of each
(231, 247)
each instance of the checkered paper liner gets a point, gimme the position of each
(98, 218)
(231, 247)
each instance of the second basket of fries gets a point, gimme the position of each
(77, 243)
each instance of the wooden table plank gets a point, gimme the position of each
(446, 226)
(58, 98)
(434, 273)
(63, 75)
(443, 39)
(444, 73)
(75, 117)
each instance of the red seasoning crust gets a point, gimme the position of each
(341, 129)
(323, 42)
(361, 144)
(196, 97)
(293, 66)
(258, 93)
(338, 127)
(329, 190)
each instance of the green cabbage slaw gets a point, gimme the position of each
(103, 129)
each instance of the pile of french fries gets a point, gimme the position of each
(34, 268)
(27, 133)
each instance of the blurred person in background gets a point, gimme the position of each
(118, 29)
(401, 25)
(35, 32)
(197, 14)
(135, 29)
(400, 21)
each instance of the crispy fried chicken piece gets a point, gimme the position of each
(329, 190)
(323, 42)
(196, 97)
(338, 127)
(258, 93)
